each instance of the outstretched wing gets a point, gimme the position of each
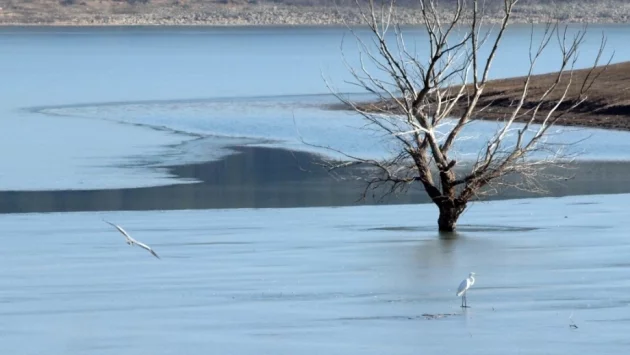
(121, 230)
(144, 246)
(463, 286)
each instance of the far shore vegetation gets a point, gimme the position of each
(281, 12)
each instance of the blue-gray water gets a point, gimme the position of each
(87, 109)
(352, 280)
(69, 89)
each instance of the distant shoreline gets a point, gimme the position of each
(93, 13)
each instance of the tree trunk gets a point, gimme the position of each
(448, 217)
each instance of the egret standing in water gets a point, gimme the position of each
(464, 286)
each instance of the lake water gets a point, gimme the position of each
(102, 112)
(71, 88)
(352, 280)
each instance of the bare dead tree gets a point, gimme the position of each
(423, 104)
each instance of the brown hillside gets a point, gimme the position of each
(607, 106)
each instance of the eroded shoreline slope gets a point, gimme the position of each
(607, 105)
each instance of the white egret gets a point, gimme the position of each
(132, 241)
(464, 286)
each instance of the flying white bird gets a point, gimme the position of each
(464, 286)
(132, 241)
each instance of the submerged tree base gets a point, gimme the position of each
(447, 221)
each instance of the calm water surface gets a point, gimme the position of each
(110, 108)
(355, 280)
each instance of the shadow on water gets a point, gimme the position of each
(260, 177)
(460, 228)
(448, 236)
